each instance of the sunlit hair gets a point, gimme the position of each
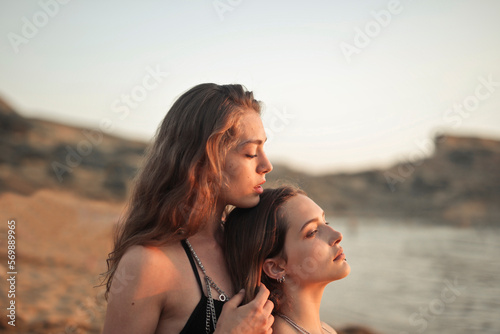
(176, 190)
(253, 235)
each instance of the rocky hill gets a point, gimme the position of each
(37, 154)
(458, 184)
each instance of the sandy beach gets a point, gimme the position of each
(62, 241)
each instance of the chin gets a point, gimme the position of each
(345, 272)
(342, 273)
(248, 202)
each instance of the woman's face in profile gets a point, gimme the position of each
(312, 247)
(246, 164)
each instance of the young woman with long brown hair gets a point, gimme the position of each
(167, 272)
(285, 243)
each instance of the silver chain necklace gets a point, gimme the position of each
(210, 283)
(296, 326)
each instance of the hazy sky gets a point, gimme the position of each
(347, 85)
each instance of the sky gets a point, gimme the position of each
(346, 85)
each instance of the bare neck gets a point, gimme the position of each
(212, 230)
(302, 307)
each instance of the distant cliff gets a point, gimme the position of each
(458, 184)
(37, 154)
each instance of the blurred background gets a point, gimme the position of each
(385, 112)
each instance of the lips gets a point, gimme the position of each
(340, 255)
(258, 188)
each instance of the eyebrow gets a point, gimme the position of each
(310, 221)
(252, 141)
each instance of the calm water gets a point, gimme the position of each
(415, 278)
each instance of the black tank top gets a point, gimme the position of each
(197, 320)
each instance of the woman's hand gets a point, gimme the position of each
(254, 317)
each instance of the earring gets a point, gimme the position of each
(281, 279)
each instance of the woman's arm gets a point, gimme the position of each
(135, 297)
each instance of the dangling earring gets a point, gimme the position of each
(281, 279)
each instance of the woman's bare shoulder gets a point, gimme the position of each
(140, 289)
(150, 263)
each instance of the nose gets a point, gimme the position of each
(335, 238)
(265, 165)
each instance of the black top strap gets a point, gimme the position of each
(193, 264)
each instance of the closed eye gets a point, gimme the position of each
(311, 234)
(251, 156)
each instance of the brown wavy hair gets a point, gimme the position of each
(177, 188)
(253, 235)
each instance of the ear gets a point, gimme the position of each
(274, 268)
